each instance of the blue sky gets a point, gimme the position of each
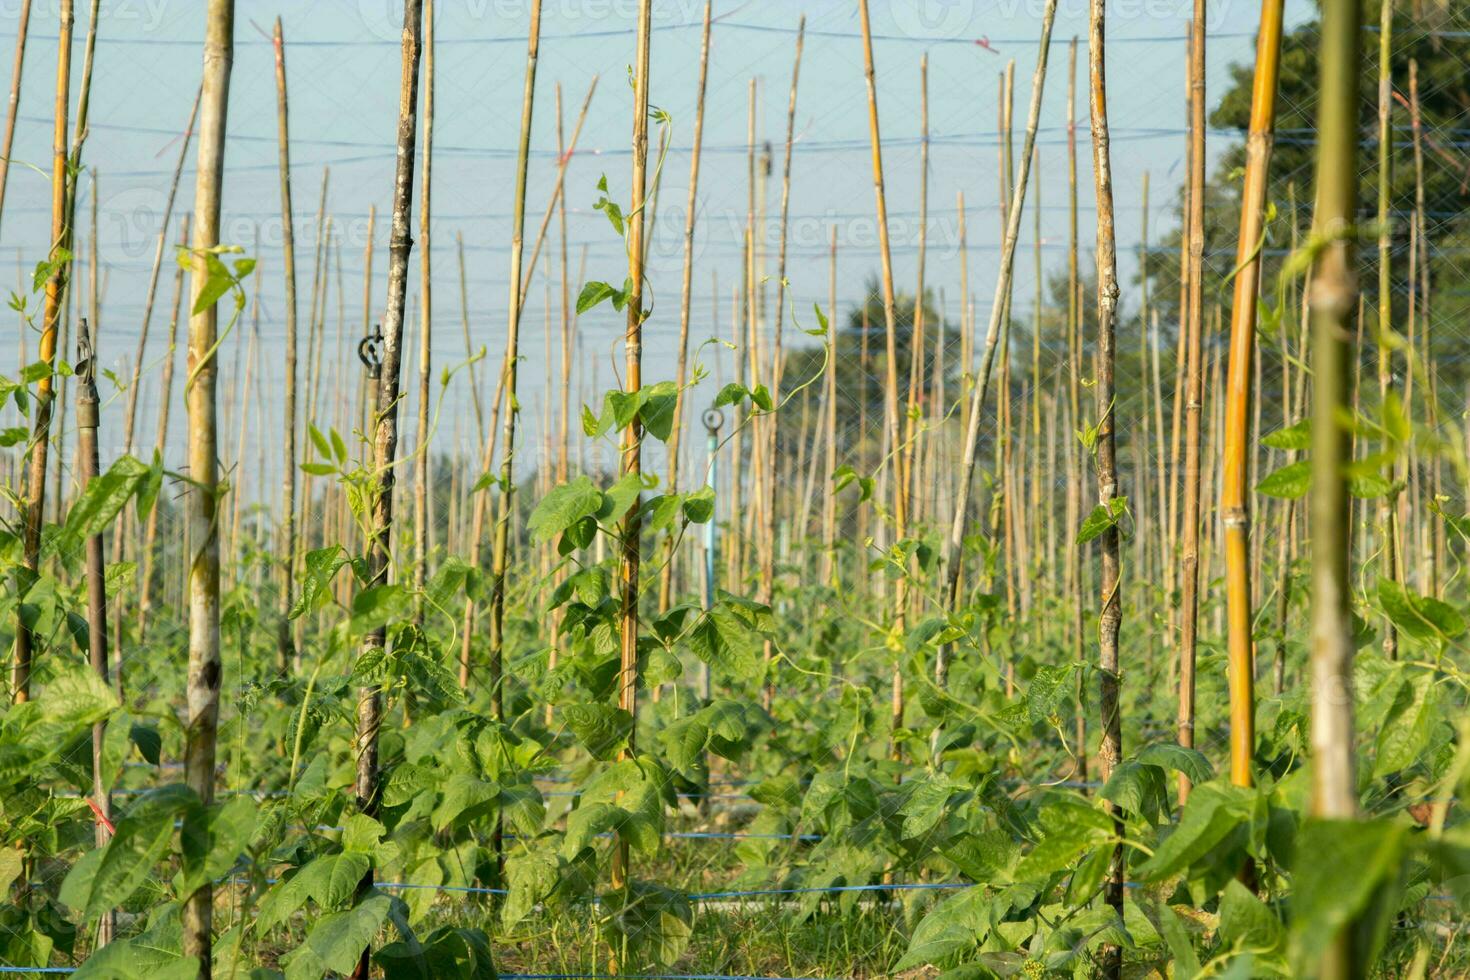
(342, 59)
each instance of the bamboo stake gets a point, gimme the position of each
(166, 384)
(907, 471)
(629, 523)
(469, 351)
(421, 461)
(1190, 560)
(35, 503)
(131, 412)
(1437, 544)
(890, 317)
(772, 426)
(500, 556)
(1387, 530)
(203, 494)
(829, 573)
(385, 417)
(1334, 292)
(1078, 472)
(1235, 511)
(285, 649)
(1110, 749)
(666, 573)
(22, 29)
(951, 557)
(88, 412)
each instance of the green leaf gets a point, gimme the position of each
(337, 940)
(143, 836)
(1297, 436)
(594, 293)
(1421, 617)
(1048, 688)
(104, 497)
(1102, 519)
(323, 447)
(699, 505)
(148, 741)
(657, 411)
(1211, 813)
(1246, 922)
(322, 566)
(1289, 482)
(563, 507)
(601, 728)
(1343, 869)
(1191, 762)
(213, 841)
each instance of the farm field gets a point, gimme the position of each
(713, 491)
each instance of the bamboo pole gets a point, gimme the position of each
(1078, 472)
(631, 463)
(951, 557)
(203, 495)
(666, 573)
(285, 649)
(469, 351)
(500, 555)
(1235, 511)
(1334, 292)
(1387, 530)
(829, 571)
(1194, 371)
(773, 420)
(1110, 749)
(131, 412)
(907, 469)
(35, 503)
(385, 417)
(1437, 545)
(22, 30)
(88, 412)
(890, 316)
(165, 402)
(422, 467)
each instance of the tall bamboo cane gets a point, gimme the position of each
(666, 573)
(952, 547)
(88, 413)
(51, 313)
(165, 402)
(500, 555)
(385, 422)
(890, 318)
(1078, 472)
(908, 470)
(1110, 750)
(631, 465)
(1387, 530)
(285, 651)
(1235, 510)
(773, 483)
(1194, 381)
(1334, 292)
(203, 494)
(828, 574)
(469, 351)
(22, 26)
(421, 462)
